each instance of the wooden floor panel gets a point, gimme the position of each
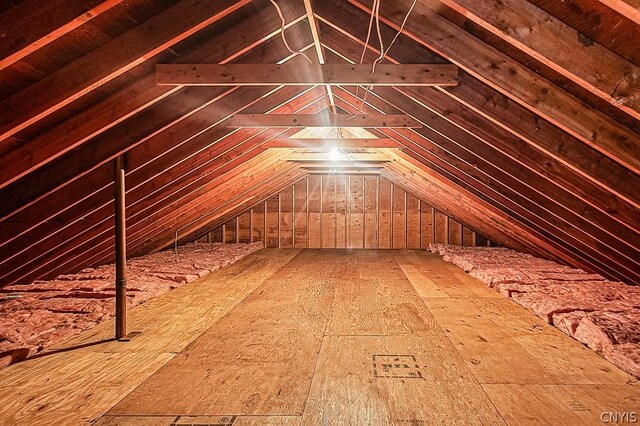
(332, 337)
(77, 381)
(394, 380)
(259, 358)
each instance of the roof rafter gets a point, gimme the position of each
(108, 61)
(141, 94)
(516, 81)
(548, 39)
(32, 24)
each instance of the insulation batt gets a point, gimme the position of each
(602, 314)
(38, 315)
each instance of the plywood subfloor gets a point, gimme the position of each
(290, 337)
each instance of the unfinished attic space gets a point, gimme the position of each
(319, 212)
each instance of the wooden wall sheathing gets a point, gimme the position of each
(344, 211)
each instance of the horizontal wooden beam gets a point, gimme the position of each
(338, 157)
(307, 74)
(331, 143)
(341, 171)
(320, 166)
(322, 120)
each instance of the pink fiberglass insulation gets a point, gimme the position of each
(37, 315)
(602, 314)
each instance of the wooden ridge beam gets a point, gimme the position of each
(306, 74)
(516, 81)
(548, 40)
(108, 61)
(331, 143)
(123, 104)
(33, 24)
(321, 120)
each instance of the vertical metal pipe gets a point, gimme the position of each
(120, 248)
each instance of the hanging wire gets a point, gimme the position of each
(404, 22)
(375, 14)
(284, 38)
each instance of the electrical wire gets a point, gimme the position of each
(284, 38)
(404, 22)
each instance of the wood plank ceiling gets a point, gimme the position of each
(537, 147)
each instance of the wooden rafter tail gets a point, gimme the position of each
(322, 120)
(331, 143)
(306, 74)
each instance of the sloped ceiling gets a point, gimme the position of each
(537, 147)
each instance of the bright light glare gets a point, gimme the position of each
(334, 154)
